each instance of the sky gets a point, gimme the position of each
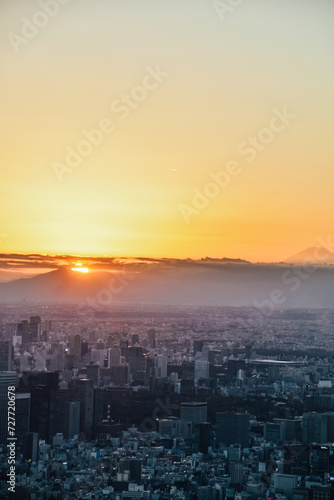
(166, 129)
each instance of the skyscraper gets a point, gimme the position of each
(201, 370)
(314, 428)
(151, 338)
(160, 362)
(196, 413)
(232, 428)
(35, 328)
(6, 356)
(114, 356)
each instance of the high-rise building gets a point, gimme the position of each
(82, 390)
(319, 459)
(203, 437)
(56, 357)
(314, 428)
(160, 362)
(35, 328)
(201, 370)
(194, 412)
(134, 339)
(70, 422)
(151, 338)
(30, 446)
(170, 427)
(296, 459)
(22, 414)
(23, 331)
(198, 346)
(232, 428)
(285, 483)
(94, 374)
(114, 356)
(6, 356)
(236, 473)
(77, 346)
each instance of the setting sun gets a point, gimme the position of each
(78, 267)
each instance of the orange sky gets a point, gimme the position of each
(180, 95)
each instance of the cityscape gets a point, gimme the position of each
(168, 402)
(167, 250)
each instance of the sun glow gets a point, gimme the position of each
(78, 267)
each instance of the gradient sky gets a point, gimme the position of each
(225, 77)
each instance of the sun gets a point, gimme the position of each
(78, 267)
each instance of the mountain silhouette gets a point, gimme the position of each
(315, 255)
(182, 283)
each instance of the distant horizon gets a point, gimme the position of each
(14, 265)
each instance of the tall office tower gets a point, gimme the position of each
(151, 338)
(138, 364)
(94, 374)
(114, 356)
(84, 348)
(120, 375)
(97, 357)
(10, 331)
(296, 459)
(45, 417)
(203, 437)
(6, 356)
(77, 346)
(30, 446)
(99, 345)
(82, 390)
(98, 409)
(23, 331)
(170, 427)
(56, 357)
(319, 460)
(237, 473)
(22, 415)
(274, 431)
(35, 327)
(201, 370)
(110, 341)
(134, 339)
(314, 428)
(196, 413)
(160, 364)
(70, 421)
(48, 326)
(198, 346)
(292, 428)
(232, 428)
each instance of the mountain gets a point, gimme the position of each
(182, 283)
(312, 255)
